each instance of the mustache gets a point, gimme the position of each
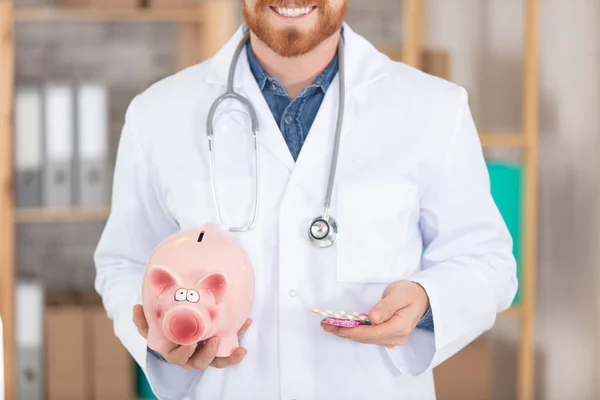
(284, 3)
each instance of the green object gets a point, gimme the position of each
(506, 188)
(143, 387)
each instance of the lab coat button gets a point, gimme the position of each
(293, 293)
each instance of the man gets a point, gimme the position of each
(421, 246)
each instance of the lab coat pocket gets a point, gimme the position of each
(374, 221)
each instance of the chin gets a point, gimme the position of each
(294, 37)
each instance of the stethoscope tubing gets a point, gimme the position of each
(231, 94)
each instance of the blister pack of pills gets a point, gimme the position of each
(343, 319)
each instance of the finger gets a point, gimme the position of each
(205, 354)
(139, 319)
(244, 328)
(384, 333)
(374, 334)
(235, 358)
(180, 355)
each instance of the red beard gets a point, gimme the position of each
(291, 41)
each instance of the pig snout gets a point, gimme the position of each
(184, 326)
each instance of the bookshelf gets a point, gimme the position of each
(527, 142)
(217, 18)
(202, 30)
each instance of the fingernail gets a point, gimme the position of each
(376, 316)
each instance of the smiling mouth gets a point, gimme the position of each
(293, 12)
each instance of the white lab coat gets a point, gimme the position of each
(411, 173)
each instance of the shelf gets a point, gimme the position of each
(502, 140)
(59, 14)
(29, 215)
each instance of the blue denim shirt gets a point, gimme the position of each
(295, 116)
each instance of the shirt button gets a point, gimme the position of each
(288, 120)
(293, 293)
(274, 85)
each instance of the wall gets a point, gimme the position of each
(485, 39)
(568, 321)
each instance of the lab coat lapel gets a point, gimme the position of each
(269, 135)
(363, 66)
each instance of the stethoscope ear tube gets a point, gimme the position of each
(323, 230)
(222, 98)
(230, 94)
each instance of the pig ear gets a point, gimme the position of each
(161, 278)
(217, 284)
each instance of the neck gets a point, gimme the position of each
(295, 73)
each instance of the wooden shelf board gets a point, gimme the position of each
(28, 215)
(502, 140)
(83, 14)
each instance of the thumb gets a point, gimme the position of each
(139, 320)
(384, 309)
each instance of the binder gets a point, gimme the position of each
(58, 145)
(29, 303)
(92, 145)
(66, 353)
(507, 190)
(28, 146)
(111, 367)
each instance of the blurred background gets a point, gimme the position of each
(69, 68)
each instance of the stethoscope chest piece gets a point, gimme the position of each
(323, 231)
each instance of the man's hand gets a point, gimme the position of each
(197, 356)
(393, 318)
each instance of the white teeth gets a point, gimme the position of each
(293, 12)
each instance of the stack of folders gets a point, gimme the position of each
(61, 145)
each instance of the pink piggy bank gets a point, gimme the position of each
(199, 283)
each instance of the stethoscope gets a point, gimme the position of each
(323, 230)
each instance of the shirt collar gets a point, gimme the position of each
(262, 76)
(258, 71)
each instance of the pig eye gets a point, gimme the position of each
(180, 295)
(193, 296)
